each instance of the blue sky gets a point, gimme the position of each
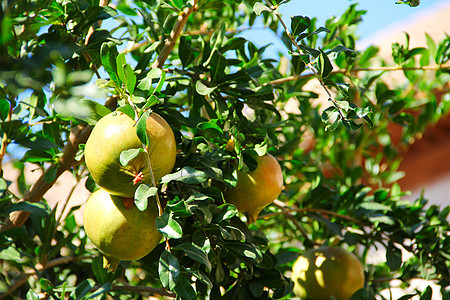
(380, 14)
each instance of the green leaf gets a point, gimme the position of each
(187, 175)
(130, 82)
(4, 109)
(393, 257)
(146, 83)
(329, 113)
(162, 79)
(298, 65)
(180, 209)
(90, 184)
(168, 226)
(196, 253)
(169, 270)
(152, 100)
(121, 63)
(10, 253)
(343, 105)
(202, 89)
(218, 64)
(244, 250)
(228, 211)
(382, 219)
(11, 128)
(46, 284)
(299, 24)
(104, 289)
(258, 8)
(108, 54)
(101, 274)
(233, 44)
(184, 289)
(36, 142)
(50, 174)
(375, 206)
(31, 295)
(143, 192)
(211, 125)
(97, 110)
(141, 128)
(82, 289)
(185, 50)
(128, 110)
(52, 132)
(324, 64)
(127, 155)
(334, 124)
(427, 294)
(3, 186)
(313, 52)
(33, 208)
(333, 53)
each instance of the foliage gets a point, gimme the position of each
(64, 64)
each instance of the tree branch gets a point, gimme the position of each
(176, 32)
(78, 135)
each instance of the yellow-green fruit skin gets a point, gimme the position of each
(327, 272)
(258, 188)
(125, 234)
(115, 133)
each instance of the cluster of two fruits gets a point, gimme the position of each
(111, 220)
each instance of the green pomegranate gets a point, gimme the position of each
(327, 272)
(115, 133)
(258, 188)
(119, 232)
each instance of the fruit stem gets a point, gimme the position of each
(110, 263)
(158, 201)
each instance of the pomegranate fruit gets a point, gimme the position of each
(327, 272)
(115, 133)
(258, 188)
(119, 232)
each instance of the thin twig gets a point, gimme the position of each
(313, 210)
(66, 202)
(356, 70)
(176, 32)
